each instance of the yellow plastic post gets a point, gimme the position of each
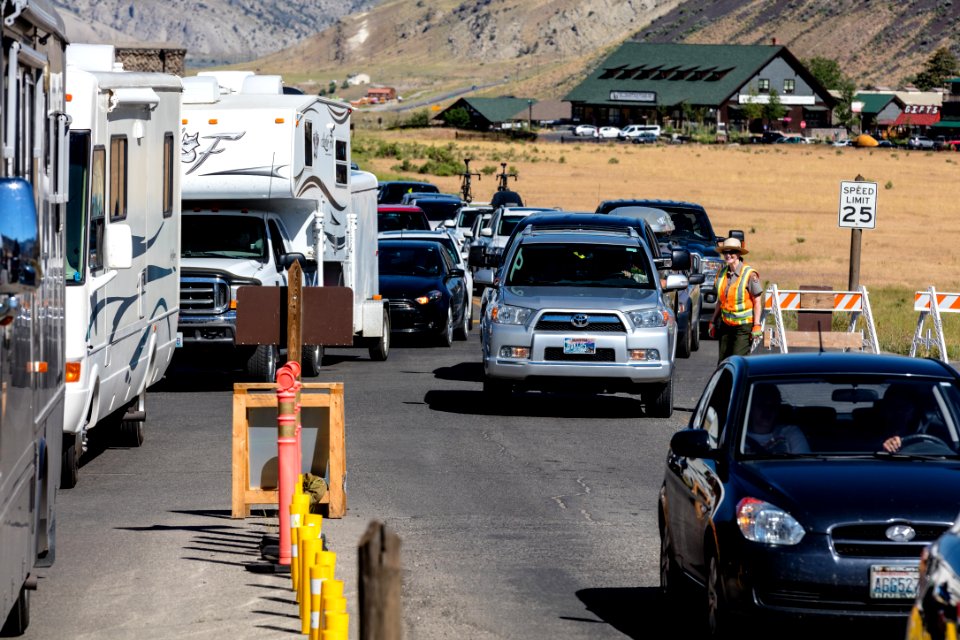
(330, 589)
(336, 621)
(313, 519)
(318, 573)
(308, 558)
(295, 558)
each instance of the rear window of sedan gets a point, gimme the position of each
(582, 265)
(410, 260)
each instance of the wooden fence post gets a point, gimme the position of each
(379, 585)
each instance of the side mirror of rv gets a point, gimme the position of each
(118, 244)
(696, 278)
(738, 234)
(19, 237)
(287, 260)
(680, 259)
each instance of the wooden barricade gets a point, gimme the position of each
(322, 417)
(856, 303)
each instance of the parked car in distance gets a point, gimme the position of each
(645, 137)
(581, 309)
(791, 140)
(392, 191)
(937, 605)
(437, 206)
(751, 513)
(585, 130)
(608, 132)
(427, 292)
(919, 142)
(632, 131)
(394, 217)
(940, 143)
(886, 144)
(448, 241)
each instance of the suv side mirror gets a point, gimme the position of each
(287, 260)
(739, 235)
(675, 282)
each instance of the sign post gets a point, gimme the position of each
(857, 211)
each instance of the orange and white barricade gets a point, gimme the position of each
(931, 304)
(857, 303)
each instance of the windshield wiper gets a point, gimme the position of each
(896, 455)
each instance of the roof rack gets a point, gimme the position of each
(570, 226)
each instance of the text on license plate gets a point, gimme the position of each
(579, 345)
(891, 581)
(179, 342)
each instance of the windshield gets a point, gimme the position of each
(402, 220)
(884, 416)
(77, 215)
(467, 217)
(410, 260)
(691, 224)
(507, 224)
(582, 265)
(439, 210)
(223, 236)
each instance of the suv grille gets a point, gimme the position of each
(204, 295)
(556, 354)
(595, 323)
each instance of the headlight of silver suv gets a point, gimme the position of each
(649, 318)
(507, 314)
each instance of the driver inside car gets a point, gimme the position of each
(765, 434)
(907, 411)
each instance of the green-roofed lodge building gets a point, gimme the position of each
(492, 113)
(656, 83)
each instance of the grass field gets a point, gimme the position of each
(785, 199)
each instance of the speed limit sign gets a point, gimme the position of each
(858, 205)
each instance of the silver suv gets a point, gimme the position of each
(582, 308)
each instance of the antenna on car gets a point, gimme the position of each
(820, 335)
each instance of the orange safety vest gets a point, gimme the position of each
(736, 302)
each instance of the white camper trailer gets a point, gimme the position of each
(123, 244)
(33, 190)
(266, 180)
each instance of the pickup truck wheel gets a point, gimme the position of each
(311, 359)
(683, 341)
(130, 433)
(380, 349)
(19, 617)
(659, 400)
(695, 333)
(262, 365)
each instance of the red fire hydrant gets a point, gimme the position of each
(288, 452)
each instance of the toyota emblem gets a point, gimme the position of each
(580, 320)
(901, 533)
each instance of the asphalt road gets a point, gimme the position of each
(534, 519)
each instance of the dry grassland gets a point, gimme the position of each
(785, 198)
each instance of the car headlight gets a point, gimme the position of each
(709, 267)
(649, 318)
(763, 522)
(507, 314)
(430, 297)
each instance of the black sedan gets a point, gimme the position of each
(426, 291)
(936, 608)
(806, 486)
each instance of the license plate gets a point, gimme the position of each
(891, 581)
(179, 339)
(579, 345)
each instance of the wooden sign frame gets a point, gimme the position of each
(254, 395)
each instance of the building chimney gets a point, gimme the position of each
(773, 41)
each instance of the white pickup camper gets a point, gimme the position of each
(267, 180)
(123, 245)
(33, 190)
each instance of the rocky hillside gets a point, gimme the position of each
(213, 31)
(523, 47)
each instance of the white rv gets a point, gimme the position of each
(123, 244)
(33, 190)
(267, 180)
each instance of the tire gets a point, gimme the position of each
(463, 331)
(716, 618)
(380, 349)
(695, 333)
(130, 433)
(659, 400)
(683, 342)
(446, 334)
(70, 464)
(310, 360)
(496, 388)
(669, 576)
(19, 617)
(262, 365)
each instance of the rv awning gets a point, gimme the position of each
(917, 119)
(134, 96)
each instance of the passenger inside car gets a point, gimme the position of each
(766, 433)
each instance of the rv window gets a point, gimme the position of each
(167, 175)
(308, 144)
(78, 200)
(98, 187)
(341, 150)
(341, 173)
(118, 178)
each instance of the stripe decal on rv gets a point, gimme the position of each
(265, 171)
(314, 181)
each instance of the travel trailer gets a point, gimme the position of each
(266, 181)
(33, 190)
(122, 245)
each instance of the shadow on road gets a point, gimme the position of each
(628, 610)
(463, 372)
(535, 404)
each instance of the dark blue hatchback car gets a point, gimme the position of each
(806, 486)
